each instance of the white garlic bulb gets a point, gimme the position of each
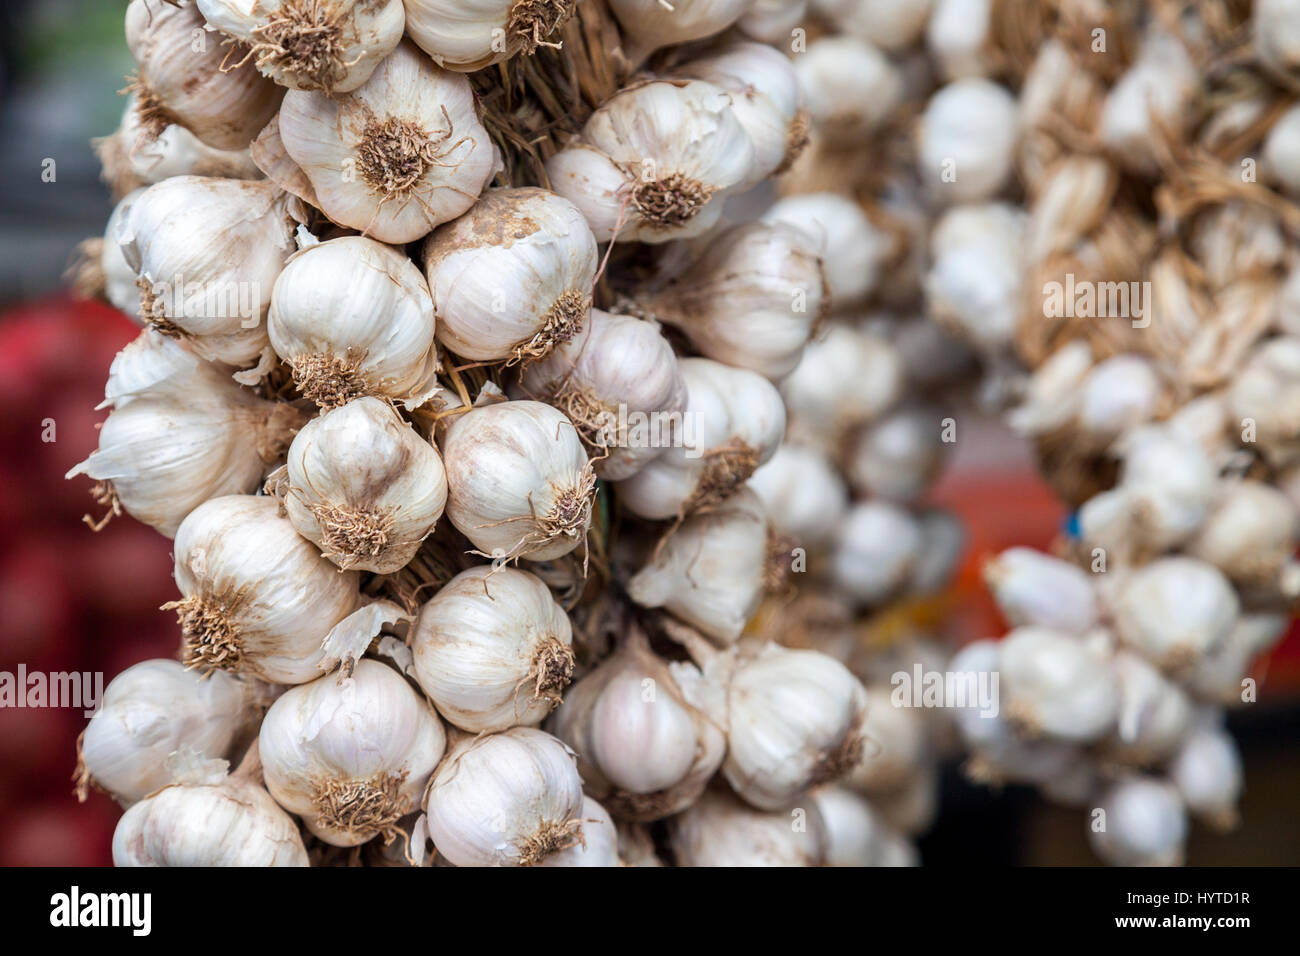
(891, 24)
(256, 597)
(733, 422)
(1119, 393)
(493, 650)
(1154, 712)
(1058, 685)
(350, 757)
(1175, 611)
(974, 282)
(943, 543)
(644, 746)
(1264, 399)
(804, 495)
(363, 487)
(649, 25)
(849, 86)
(519, 481)
(331, 45)
(207, 253)
(614, 379)
(1037, 590)
(1142, 823)
(470, 36)
(898, 456)
(720, 830)
(772, 20)
(968, 140)
(599, 845)
(181, 432)
(893, 743)
(750, 300)
(856, 835)
(1051, 396)
(655, 161)
(511, 278)
(1207, 772)
(353, 317)
(1155, 92)
(853, 250)
(399, 155)
(184, 77)
(1276, 36)
(1250, 532)
(507, 799)
(879, 544)
(1219, 676)
(149, 711)
(957, 37)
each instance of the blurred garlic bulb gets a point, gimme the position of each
(898, 456)
(1057, 685)
(655, 161)
(943, 542)
(148, 712)
(893, 743)
(1218, 677)
(1175, 611)
(968, 140)
(853, 250)
(353, 317)
(256, 597)
(364, 487)
(468, 37)
(720, 830)
(649, 25)
(184, 77)
(599, 845)
(511, 278)
(849, 86)
(1119, 393)
(397, 156)
(891, 24)
(1264, 399)
(974, 283)
(1277, 37)
(1142, 823)
(507, 799)
(710, 569)
(493, 650)
(878, 545)
(957, 37)
(644, 746)
(614, 379)
(1156, 91)
(350, 757)
(804, 496)
(519, 481)
(1154, 712)
(912, 807)
(847, 377)
(1207, 772)
(211, 820)
(794, 720)
(181, 432)
(750, 300)
(1250, 533)
(772, 20)
(1036, 590)
(733, 422)
(330, 45)
(855, 833)
(207, 253)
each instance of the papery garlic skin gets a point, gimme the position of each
(879, 543)
(1145, 824)
(655, 161)
(968, 139)
(614, 379)
(256, 597)
(149, 711)
(1175, 611)
(649, 25)
(397, 156)
(350, 757)
(512, 277)
(470, 36)
(119, 278)
(804, 496)
(364, 487)
(1057, 685)
(207, 253)
(493, 650)
(354, 317)
(733, 423)
(519, 481)
(849, 86)
(853, 250)
(1037, 590)
(720, 830)
(331, 45)
(599, 846)
(507, 799)
(181, 78)
(234, 823)
(1207, 772)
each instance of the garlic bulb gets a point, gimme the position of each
(898, 456)
(750, 300)
(1207, 772)
(207, 253)
(1264, 399)
(850, 88)
(1218, 676)
(364, 487)
(804, 496)
(256, 598)
(493, 650)
(891, 24)
(1250, 532)
(656, 160)
(1276, 36)
(968, 140)
(733, 422)
(149, 711)
(1144, 824)
(119, 278)
(470, 36)
(957, 37)
(512, 277)
(1119, 393)
(649, 25)
(853, 250)
(1154, 712)
(350, 757)
(212, 821)
(181, 432)
(599, 846)
(519, 481)
(847, 377)
(794, 720)
(507, 799)
(943, 544)
(879, 543)
(1176, 610)
(330, 45)
(720, 830)
(772, 20)
(1156, 92)
(974, 282)
(614, 379)
(353, 317)
(399, 155)
(1057, 685)
(855, 833)
(644, 746)
(1037, 590)
(893, 743)
(184, 77)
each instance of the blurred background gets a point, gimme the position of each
(74, 600)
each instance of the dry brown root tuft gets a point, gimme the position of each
(85, 273)
(153, 116)
(562, 322)
(571, 513)
(394, 154)
(727, 468)
(305, 41)
(592, 419)
(549, 838)
(348, 534)
(778, 570)
(835, 763)
(209, 640)
(153, 312)
(532, 21)
(362, 807)
(671, 201)
(331, 380)
(106, 495)
(796, 141)
(552, 670)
